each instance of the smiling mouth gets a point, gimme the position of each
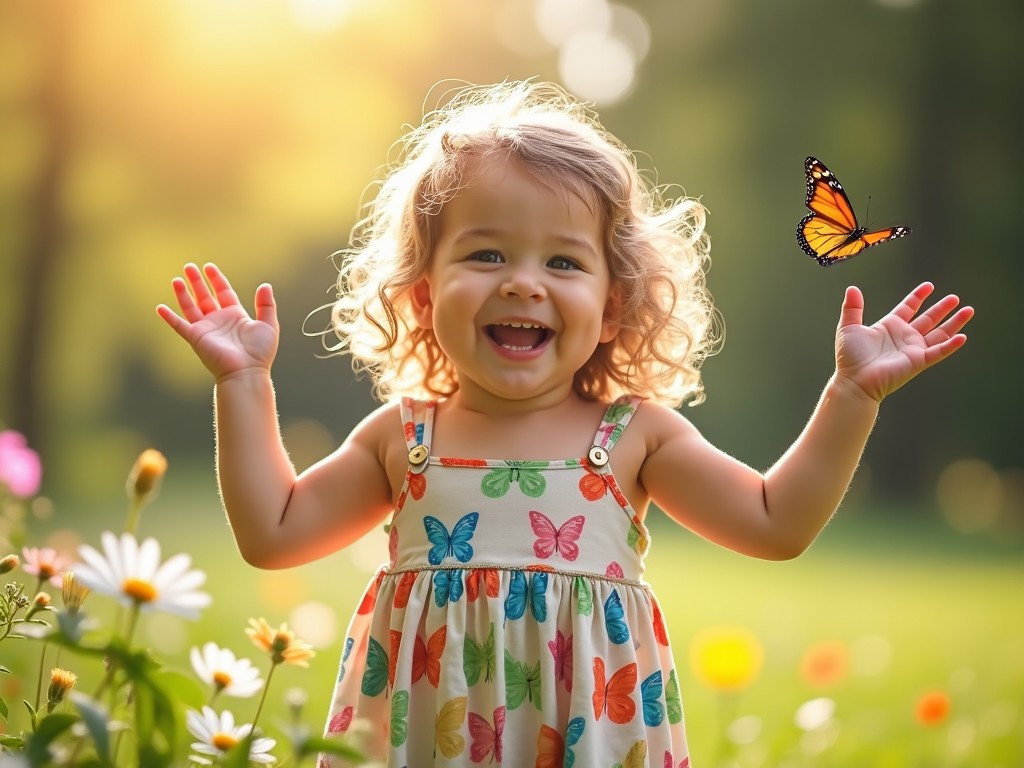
(518, 337)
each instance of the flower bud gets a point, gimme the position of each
(61, 681)
(9, 563)
(40, 603)
(144, 479)
(72, 592)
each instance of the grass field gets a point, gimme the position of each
(907, 606)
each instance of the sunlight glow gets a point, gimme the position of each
(321, 15)
(598, 67)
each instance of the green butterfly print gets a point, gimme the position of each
(375, 676)
(399, 714)
(584, 597)
(522, 682)
(617, 411)
(527, 473)
(478, 657)
(673, 702)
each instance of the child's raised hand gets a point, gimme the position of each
(882, 357)
(215, 324)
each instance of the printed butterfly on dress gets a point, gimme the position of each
(830, 232)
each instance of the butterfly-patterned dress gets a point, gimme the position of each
(512, 625)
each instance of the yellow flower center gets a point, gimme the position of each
(138, 590)
(221, 679)
(223, 741)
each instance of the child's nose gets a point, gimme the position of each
(523, 283)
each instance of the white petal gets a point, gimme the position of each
(97, 565)
(148, 560)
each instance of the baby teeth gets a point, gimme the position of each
(522, 325)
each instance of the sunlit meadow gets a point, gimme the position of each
(897, 640)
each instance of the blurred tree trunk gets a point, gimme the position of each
(45, 227)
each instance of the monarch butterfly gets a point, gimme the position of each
(830, 232)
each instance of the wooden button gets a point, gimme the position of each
(418, 454)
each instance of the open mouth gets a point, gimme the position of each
(517, 336)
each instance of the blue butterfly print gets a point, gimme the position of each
(455, 544)
(573, 734)
(447, 586)
(344, 657)
(650, 693)
(519, 593)
(618, 630)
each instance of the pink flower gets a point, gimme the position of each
(45, 564)
(20, 468)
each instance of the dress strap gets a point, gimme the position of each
(614, 422)
(418, 426)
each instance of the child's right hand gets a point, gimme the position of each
(217, 327)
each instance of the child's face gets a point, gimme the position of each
(519, 292)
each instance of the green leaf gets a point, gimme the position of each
(11, 742)
(94, 715)
(3, 709)
(37, 746)
(331, 746)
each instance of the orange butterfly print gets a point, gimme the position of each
(830, 232)
(489, 576)
(370, 597)
(614, 695)
(426, 656)
(404, 589)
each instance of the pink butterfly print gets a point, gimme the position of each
(614, 570)
(341, 721)
(486, 739)
(561, 650)
(669, 764)
(392, 543)
(561, 540)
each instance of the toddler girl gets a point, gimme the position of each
(531, 312)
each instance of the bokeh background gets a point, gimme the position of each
(137, 137)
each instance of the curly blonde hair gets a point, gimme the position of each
(657, 249)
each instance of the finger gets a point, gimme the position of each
(853, 308)
(191, 312)
(177, 323)
(200, 290)
(266, 307)
(930, 319)
(950, 328)
(941, 351)
(225, 294)
(909, 307)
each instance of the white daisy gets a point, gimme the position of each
(219, 668)
(218, 733)
(132, 573)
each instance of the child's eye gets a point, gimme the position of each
(488, 257)
(562, 262)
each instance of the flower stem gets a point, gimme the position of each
(263, 696)
(132, 523)
(39, 679)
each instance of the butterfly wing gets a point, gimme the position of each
(461, 534)
(438, 536)
(568, 535)
(538, 596)
(375, 676)
(619, 695)
(434, 651)
(830, 232)
(546, 534)
(650, 695)
(483, 735)
(448, 740)
(550, 748)
(399, 714)
(515, 602)
(614, 622)
(573, 734)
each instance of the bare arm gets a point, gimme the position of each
(278, 519)
(778, 514)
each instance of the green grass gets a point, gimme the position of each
(936, 610)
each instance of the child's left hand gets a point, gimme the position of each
(881, 358)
